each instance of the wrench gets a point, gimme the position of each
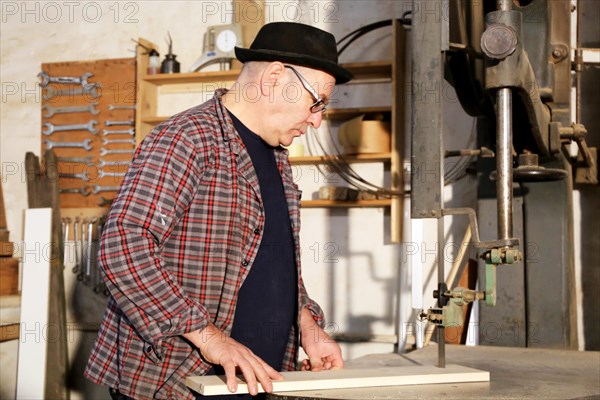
(130, 131)
(83, 250)
(84, 259)
(50, 111)
(111, 107)
(104, 151)
(79, 160)
(77, 245)
(65, 230)
(98, 273)
(88, 264)
(105, 202)
(51, 128)
(102, 174)
(105, 141)
(103, 163)
(84, 191)
(112, 123)
(85, 144)
(83, 176)
(97, 189)
(64, 80)
(84, 90)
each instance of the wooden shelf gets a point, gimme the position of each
(10, 317)
(360, 70)
(346, 204)
(341, 114)
(192, 77)
(155, 119)
(9, 331)
(370, 69)
(358, 158)
(364, 72)
(336, 114)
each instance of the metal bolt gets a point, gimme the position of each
(499, 41)
(528, 159)
(559, 52)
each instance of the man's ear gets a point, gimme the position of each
(271, 77)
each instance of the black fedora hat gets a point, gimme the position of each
(297, 44)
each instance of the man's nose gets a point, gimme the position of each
(315, 119)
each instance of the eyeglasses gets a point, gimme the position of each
(319, 104)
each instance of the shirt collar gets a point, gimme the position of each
(229, 132)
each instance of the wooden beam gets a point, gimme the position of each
(9, 332)
(250, 14)
(3, 227)
(347, 378)
(146, 95)
(10, 314)
(345, 203)
(399, 53)
(9, 276)
(42, 192)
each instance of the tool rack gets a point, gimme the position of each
(115, 85)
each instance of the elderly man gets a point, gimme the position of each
(201, 246)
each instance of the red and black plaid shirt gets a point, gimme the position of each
(178, 242)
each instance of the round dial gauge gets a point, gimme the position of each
(226, 40)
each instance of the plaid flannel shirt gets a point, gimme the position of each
(178, 243)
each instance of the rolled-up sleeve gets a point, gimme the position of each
(311, 305)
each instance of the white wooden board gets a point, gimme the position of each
(34, 329)
(348, 378)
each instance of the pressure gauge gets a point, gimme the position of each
(226, 40)
(219, 44)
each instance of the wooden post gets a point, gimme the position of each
(42, 192)
(398, 128)
(250, 14)
(146, 95)
(9, 266)
(3, 228)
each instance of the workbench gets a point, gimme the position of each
(516, 373)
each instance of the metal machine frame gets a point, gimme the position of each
(514, 74)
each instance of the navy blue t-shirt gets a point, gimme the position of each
(267, 300)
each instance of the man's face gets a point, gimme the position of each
(292, 115)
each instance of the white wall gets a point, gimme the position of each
(349, 266)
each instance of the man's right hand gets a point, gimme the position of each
(218, 348)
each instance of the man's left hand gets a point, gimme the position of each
(322, 351)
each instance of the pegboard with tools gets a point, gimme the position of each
(88, 120)
(85, 290)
